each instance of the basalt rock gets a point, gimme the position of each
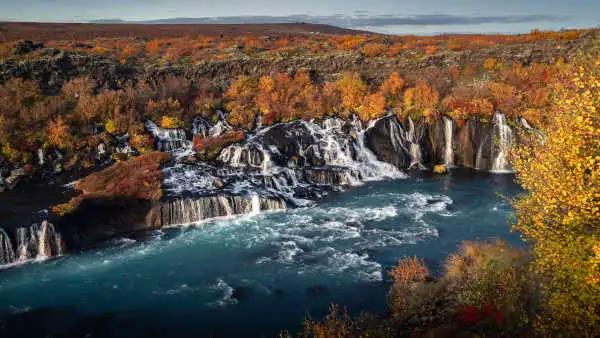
(386, 139)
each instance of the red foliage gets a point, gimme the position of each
(208, 144)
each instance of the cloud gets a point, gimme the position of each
(360, 19)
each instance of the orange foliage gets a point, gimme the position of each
(431, 50)
(153, 47)
(241, 104)
(139, 177)
(373, 49)
(353, 89)
(210, 147)
(489, 63)
(409, 270)
(391, 88)
(129, 52)
(59, 134)
(504, 97)
(425, 96)
(373, 107)
(351, 42)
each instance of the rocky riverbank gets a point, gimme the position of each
(281, 166)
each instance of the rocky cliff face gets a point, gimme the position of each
(285, 165)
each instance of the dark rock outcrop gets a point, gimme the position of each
(386, 140)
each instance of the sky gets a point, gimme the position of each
(385, 16)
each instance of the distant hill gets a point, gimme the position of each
(12, 31)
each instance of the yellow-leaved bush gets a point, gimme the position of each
(560, 213)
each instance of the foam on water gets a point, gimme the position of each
(226, 294)
(221, 271)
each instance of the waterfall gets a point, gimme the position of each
(255, 202)
(44, 241)
(101, 150)
(414, 146)
(168, 140)
(502, 134)
(306, 143)
(448, 141)
(40, 154)
(219, 128)
(415, 156)
(247, 155)
(7, 254)
(192, 210)
(38, 241)
(200, 126)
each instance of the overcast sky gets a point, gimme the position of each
(451, 15)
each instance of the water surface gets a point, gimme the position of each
(258, 274)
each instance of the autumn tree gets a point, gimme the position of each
(59, 134)
(391, 88)
(373, 107)
(240, 101)
(559, 213)
(373, 49)
(353, 90)
(504, 97)
(422, 100)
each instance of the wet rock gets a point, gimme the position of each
(217, 183)
(386, 140)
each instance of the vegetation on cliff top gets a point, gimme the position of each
(83, 116)
(139, 177)
(171, 44)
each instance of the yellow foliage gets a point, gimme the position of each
(373, 107)
(559, 213)
(353, 89)
(59, 134)
(171, 122)
(111, 127)
(440, 169)
(489, 63)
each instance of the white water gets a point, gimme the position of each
(448, 141)
(169, 140)
(7, 254)
(40, 155)
(416, 160)
(37, 242)
(503, 136)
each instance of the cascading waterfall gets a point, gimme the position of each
(502, 143)
(414, 146)
(40, 155)
(248, 155)
(219, 128)
(101, 150)
(289, 163)
(200, 126)
(448, 141)
(168, 140)
(7, 254)
(192, 210)
(255, 203)
(39, 241)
